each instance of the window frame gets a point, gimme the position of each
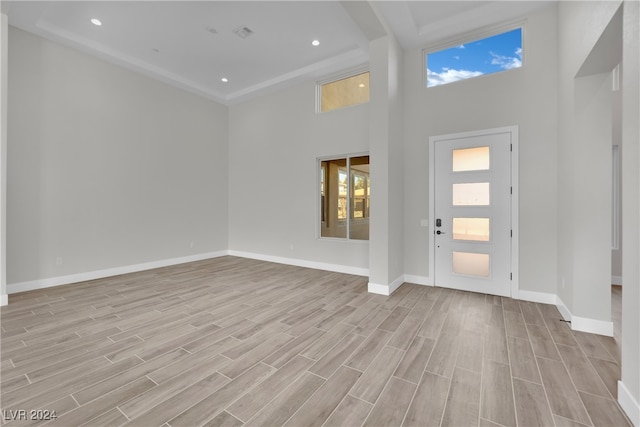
(334, 78)
(322, 207)
(471, 37)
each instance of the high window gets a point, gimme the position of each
(344, 92)
(489, 55)
(345, 189)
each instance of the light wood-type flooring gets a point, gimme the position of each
(231, 342)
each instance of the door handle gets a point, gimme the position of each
(440, 232)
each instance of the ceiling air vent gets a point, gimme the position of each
(243, 32)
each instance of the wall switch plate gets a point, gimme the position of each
(424, 223)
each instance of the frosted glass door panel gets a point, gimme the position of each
(471, 194)
(471, 264)
(471, 159)
(473, 229)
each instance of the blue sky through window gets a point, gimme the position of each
(486, 56)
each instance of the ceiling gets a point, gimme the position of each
(192, 44)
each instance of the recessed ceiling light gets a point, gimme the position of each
(224, 80)
(361, 85)
(96, 21)
(315, 43)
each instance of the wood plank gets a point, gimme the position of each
(317, 409)
(442, 361)
(166, 390)
(604, 411)
(330, 362)
(280, 409)
(563, 398)
(179, 402)
(582, 372)
(249, 404)
(429, 402)
(542, 343)
(523, 361)
(392, 404)
(532, 408)
(497, 394)
(377, 374)
(415, 360)
(463, 400)
(211, 405)
(350, 412)
(363, 357)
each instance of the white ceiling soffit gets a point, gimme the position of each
(192, 44)
(419, 24)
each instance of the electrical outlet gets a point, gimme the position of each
(291, 246)
(191, 245)
(59, 260)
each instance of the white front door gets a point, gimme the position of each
(471, 222)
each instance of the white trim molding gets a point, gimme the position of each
(375, 288)
(583, 324)
(539, 297)
(564, 311)
(4, 300)
(628, 404)
(593, 326)
(100, 274)
(418, 280)
(357, 271)
(616, 280)
(396, 284)
(387, 290)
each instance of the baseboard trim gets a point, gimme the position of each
(418, 280)
(539, 297)
(396, 284)
(583, 324)
(628, 404)
(616, 280)
(4, 299)
(357, 271)
(599, 327)
(100, 274)
(564, 311)
(375, 288)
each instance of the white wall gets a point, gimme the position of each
(629, 386)
(525, 97)
(107, 168)
(591, 197)
(4, 32)
(585, 111)
(274, 144)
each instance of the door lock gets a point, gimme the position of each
(440, 232)
(438, 222)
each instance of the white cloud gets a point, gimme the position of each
(449, 75)
(507, 62)
(461, 46)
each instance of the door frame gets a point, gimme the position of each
(515, 240)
